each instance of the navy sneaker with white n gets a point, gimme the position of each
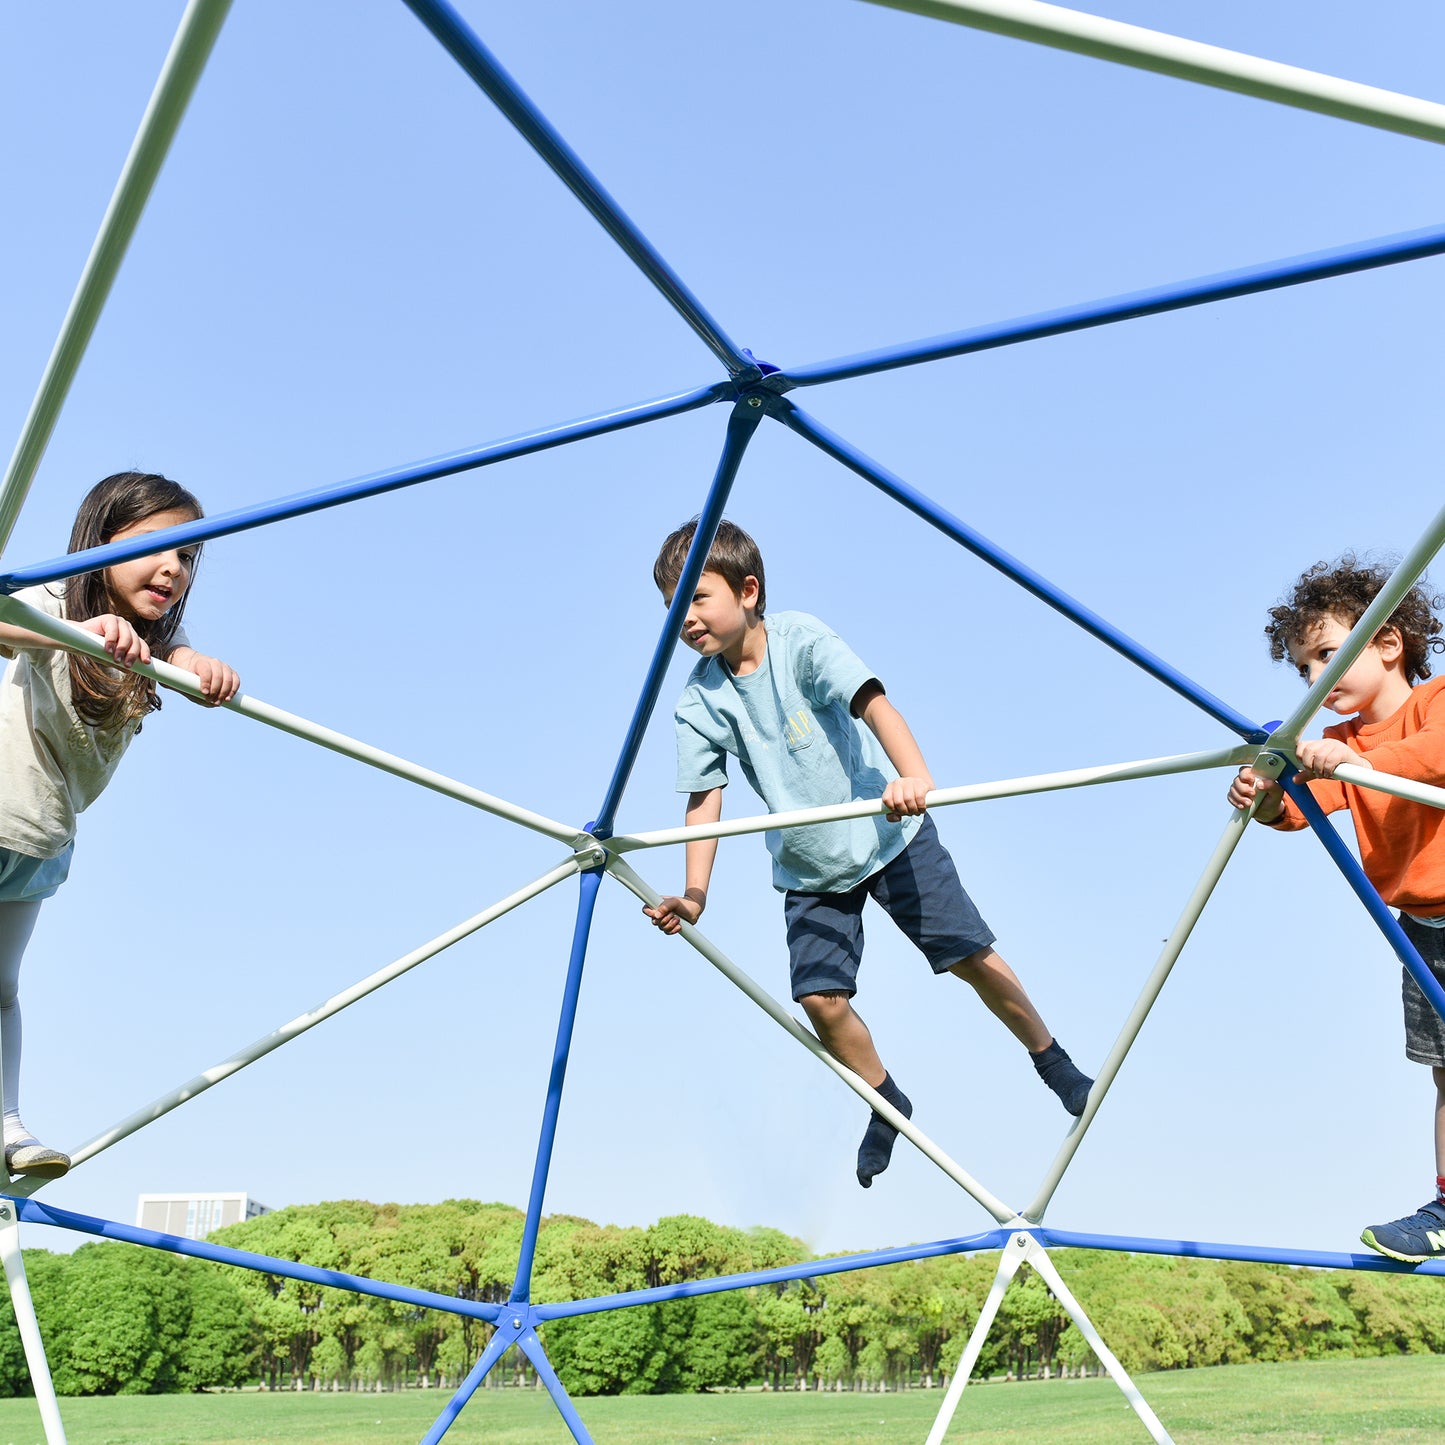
(1415, 1238)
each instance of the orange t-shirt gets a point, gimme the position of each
(1402, 844)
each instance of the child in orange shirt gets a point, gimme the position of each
(1399, 728)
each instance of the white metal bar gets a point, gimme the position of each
(1374, 617)
(1023, 1249)
(302, 1022)
(943, 797)
(1037, 1258)
(1008, 1264)
(21, 614)
(14, 1263)
(191, 48)
(1132, 45)
(1381, 782)
(775, 1011)
(1173, 946)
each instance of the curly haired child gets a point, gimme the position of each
(1398, 724)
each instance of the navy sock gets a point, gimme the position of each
(877, 1147)
(1063, 1076)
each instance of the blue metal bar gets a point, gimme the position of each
(808, 1269)
(34, 1212)
(1268, 276)
(531, 1346)
(373, 485)
(741, 425)
(1011, 567)
(504, 1338)
(586, 903)
(1249, 1253)
(1356, 877)
(467, 49)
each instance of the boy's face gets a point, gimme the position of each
(1374, 685)
(718, 620)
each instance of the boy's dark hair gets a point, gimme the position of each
(104, 697)
(1343, 590)
(734, 557)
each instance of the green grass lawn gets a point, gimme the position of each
(1384, 1402)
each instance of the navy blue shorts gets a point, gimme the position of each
(921, 892)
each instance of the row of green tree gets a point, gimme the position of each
(117, 1319)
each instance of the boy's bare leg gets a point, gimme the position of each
(1419, 1236)
(846, 1037)
(1439, 1122)
(844, 1034)
(998, 986)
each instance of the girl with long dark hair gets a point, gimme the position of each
(66, 719)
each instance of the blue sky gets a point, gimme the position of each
(351, 262)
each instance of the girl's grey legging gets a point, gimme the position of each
(17, 922)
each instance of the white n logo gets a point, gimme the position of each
(1436, 1238)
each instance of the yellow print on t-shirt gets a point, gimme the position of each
(799, 728)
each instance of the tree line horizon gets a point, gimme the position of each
(119, 1319)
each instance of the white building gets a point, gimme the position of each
(194, 1216)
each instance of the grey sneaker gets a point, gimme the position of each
(30, 1156)
(1415, 1238)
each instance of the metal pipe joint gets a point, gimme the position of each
(1270, 764)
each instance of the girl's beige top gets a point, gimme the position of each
(53, 764)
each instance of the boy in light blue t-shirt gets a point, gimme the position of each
(811, 726)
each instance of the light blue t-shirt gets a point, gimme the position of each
(789, 726)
